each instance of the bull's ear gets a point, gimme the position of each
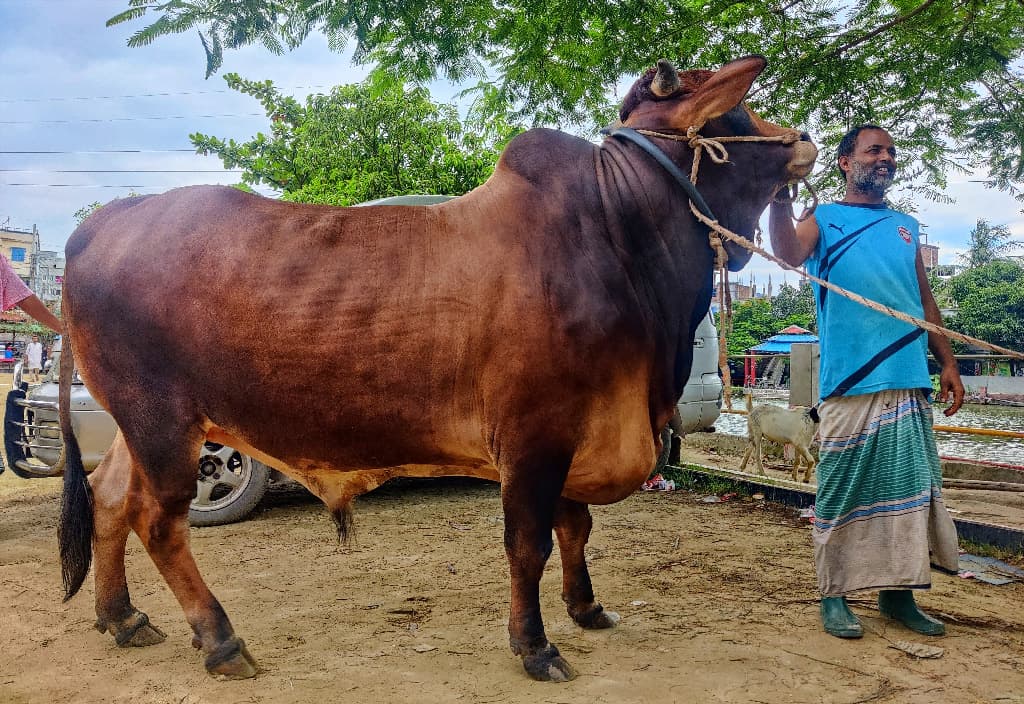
(727, 87)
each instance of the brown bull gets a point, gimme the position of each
(537, 331)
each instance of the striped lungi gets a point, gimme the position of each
(879, 519)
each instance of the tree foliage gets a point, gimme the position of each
(990, 303)
(945, 76)
(759, 318)
(362, 141)
(85, 211)
(795, 306)
(29, 327)
(987, 244)
(752, 321)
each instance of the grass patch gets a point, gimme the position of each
(686, 478)
(1010, 557)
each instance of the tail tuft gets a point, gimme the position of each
(75, 531)
(343, 520)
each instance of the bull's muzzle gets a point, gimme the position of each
(802, 161)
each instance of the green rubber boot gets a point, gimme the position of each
(899, 604)
(837, 618)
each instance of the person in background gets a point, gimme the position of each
(880, 520)
(34, 358)
(14, 292)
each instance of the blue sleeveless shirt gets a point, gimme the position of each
(870, 250)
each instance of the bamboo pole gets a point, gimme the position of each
(993, 432)
(978, 431)
(980, 484)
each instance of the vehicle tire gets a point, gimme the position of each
(229, 485)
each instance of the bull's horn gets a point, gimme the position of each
(666, 80)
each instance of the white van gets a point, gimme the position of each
(701, 402)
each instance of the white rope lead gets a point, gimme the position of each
(874, 305)
(718, 154)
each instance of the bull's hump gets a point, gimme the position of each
(544, 155)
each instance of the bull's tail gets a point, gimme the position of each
(76, 521)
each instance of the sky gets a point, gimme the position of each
(71, 86)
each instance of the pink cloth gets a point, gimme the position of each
(12, 289)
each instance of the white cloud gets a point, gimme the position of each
(61, 49)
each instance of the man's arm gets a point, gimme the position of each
(950, 386)
(34, 307)
(791, 244)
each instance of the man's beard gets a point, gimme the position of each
(867, 179)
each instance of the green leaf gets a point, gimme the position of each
(363, 141)
(946, 78)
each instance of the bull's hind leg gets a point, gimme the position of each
(162, 484)
(530, 490)
(114, 610)
(572, 526)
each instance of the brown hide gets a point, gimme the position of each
(371, 337)
(537, 330)
(558, 299)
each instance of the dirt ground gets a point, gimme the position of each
(718, 604)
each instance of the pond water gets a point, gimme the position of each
(975, 447)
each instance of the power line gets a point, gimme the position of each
(127, 119)
(137, 95)
(96, 151)
(122, 171)
(81, 185)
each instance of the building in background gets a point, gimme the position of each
(739, 292)
(42, 270)
(930, 256)
(47, 276)
(20, 247)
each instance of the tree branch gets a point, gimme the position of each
(881, 28)
(850, 44)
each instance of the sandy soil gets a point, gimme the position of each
(718, 605)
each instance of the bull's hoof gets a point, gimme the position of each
(596, 618)
(231, 660)
(135, 631)
(147, 635)
(548, 666)
(605, 619)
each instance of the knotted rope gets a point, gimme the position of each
(719, 155)
(874, 305)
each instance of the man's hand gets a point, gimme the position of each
(951, 389)
(792, 245)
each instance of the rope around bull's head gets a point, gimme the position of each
(718, 154)
(715, 148)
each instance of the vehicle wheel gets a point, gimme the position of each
(228, 486)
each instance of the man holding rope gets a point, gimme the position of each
(880, 521)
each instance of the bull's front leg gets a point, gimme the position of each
(572, 526)
(529, 493)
